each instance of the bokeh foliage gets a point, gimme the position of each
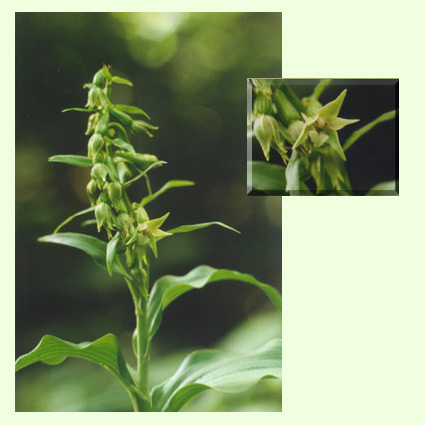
(189, 72)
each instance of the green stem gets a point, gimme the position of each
(318, 90)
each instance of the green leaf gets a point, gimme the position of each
(169, 185)
(361, 131)
(105, 352)
(80, 110)
(129, 109)
(191, 227)
(120, 80)
(383, 189)
(218, 370)
(318, 90)
(332, 109)
(267, 177)
(111, 250)
(72, 218)
(335, 144)
(119, 143)
(166, 289)
(77, 160)
(88, 244)
(293, 173)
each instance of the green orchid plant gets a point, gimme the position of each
(305, 135)
(132, 238)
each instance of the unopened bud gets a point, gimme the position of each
(122, 117)
(263, 130)
(262, 105)
(115, 195)
(103, 215)
(95, 145)
(123, 222)
(91, 124)
(287, 112)
(102, 125)
(94, 97)
(99, 172)
(142, 215)
(92, 191)
(99, 79)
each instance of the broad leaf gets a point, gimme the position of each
(89, 244)
(384, 189)
(169, 185)
(267, 177)
(77, 160)
(105, 352)
(191, 227)
(218, 370)
(166, 289)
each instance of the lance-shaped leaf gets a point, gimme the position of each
(129, 109)
(77, 160)
(218, 370)
(191, 227)
(88, 244)
(119, 143)
(80, 110)
(333, 140)
(105, 352)
(169, 185)
(120, 80)
(166, 289)
(111, 251)
(70, 218)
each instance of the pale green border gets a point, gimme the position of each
(353, 332)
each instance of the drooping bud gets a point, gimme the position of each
(94, 97)
(95, 145)
(263, 130)
(115, 196)
(142, 215)
(103, 215)
(91, 124)
(99, 172)
(139, 126)
(124, 223)
(262, 105)
(287, 112)
(92, 191)
(99, 79)
(102, 125)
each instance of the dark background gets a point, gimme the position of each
(189, 73)
(373, 158)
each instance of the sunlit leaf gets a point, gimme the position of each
(218, 370)
(129, 109)
(120, 80)
(166, 289)
(77, 160)
(384, 189)
(105, 352)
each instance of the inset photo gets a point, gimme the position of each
(327, 137)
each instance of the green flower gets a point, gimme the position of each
(322, 127)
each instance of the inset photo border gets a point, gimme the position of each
(321, 137)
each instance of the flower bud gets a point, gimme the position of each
(115, 195)
(99, 79)
(99, 173)
(124, 222)
(262, 105)
(263, 130)
(91, 124)
(142, 215)
(95, 145)
(94, 97)
(103, 215)
(285, 109)
(92, 191)
(100, 157)
(102, 125)
(103, 197)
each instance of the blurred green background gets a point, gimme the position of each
(189, 72)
